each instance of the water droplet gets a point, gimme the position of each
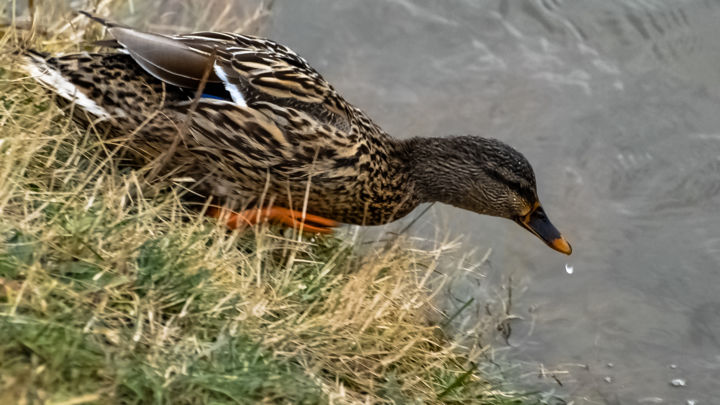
(610, 365)
(569, 269)
(678, 382)
(673, 366)
(691, 402)
(608, 379)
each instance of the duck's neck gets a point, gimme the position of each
(425, 162)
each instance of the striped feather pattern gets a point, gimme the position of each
(269, 129)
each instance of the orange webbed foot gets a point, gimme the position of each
(310, 223)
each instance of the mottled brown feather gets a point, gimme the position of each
(273, 128)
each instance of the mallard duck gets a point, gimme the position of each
(261, 134)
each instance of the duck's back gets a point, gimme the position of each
(265, 124)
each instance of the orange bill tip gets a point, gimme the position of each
(561, 245)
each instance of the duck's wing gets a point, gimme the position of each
(278, 71)
(241, 63)
(163, 56)
(274, 72)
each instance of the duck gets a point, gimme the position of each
(250, 126)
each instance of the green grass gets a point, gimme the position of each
(112, 291)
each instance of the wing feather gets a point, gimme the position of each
(250, 68)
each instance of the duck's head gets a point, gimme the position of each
(484, 176)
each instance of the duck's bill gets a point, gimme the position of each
(538, 223)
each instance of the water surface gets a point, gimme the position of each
(617, 105)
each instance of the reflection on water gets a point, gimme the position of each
(617, 104)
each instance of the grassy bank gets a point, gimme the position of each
(111, 290)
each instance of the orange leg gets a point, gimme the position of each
(292, 218)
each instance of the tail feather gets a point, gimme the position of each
(41, 68)
(101, 20)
